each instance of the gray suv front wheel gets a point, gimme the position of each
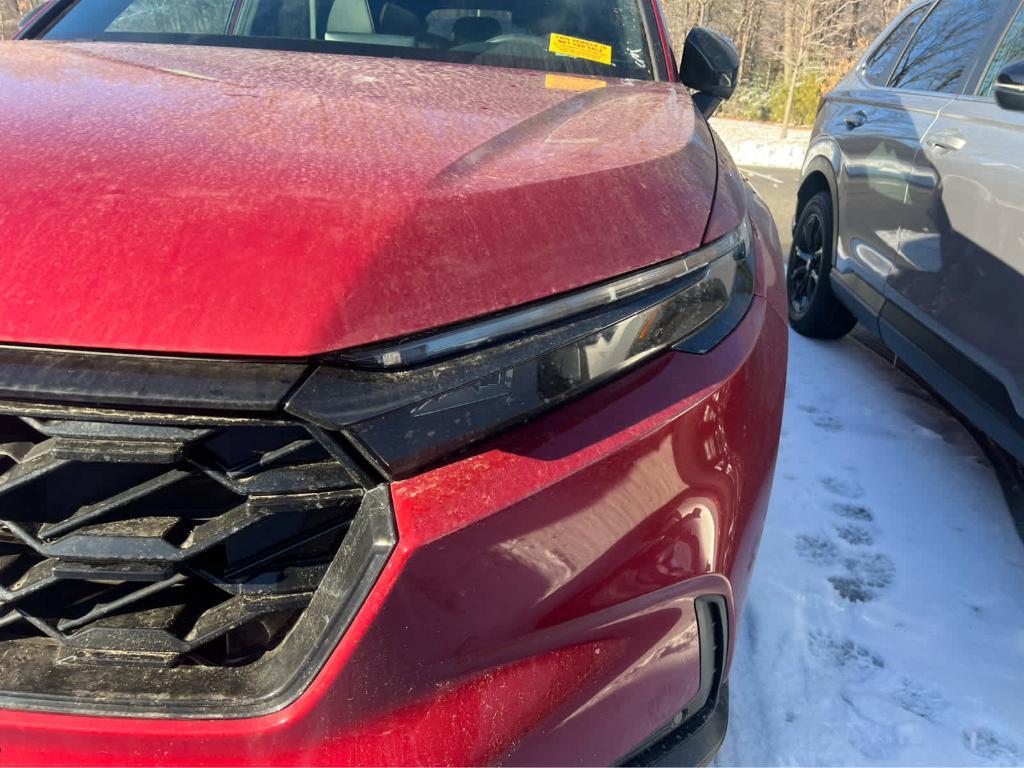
(814, 309)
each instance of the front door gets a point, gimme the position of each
(878, 130)
(965, 280)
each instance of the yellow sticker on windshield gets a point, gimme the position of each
(570, 83)
(581, 49)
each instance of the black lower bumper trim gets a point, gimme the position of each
(689, 745)
(696, 733)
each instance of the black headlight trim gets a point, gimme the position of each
(458, 340)
(404, 420)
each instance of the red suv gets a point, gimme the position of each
(381, 383)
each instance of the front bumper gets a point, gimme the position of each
(539, 606)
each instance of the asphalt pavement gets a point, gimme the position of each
(778, 187)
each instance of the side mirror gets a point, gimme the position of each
(1009, 88)
(710, 66)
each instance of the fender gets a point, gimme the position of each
(822, 166)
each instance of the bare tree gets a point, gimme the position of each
(780, 41)
(703, 9)
(10, 13)
(750, 19)
(819, 28)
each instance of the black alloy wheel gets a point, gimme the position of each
(814, 309)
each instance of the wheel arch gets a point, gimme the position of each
(834, 318)
(820, 176)
(813, 183)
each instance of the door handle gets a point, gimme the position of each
(947, 141)
(856, 119)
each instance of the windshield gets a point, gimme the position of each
(591, 37)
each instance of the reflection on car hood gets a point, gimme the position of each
(234, 201)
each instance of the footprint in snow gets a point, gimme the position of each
(865, 578)
(822, 420)
(919, 700)
(865, 575)
(853, 512)
(827, 423)
(817, 550)
(844, 653)
(856, 535)
(846, 489)
(988, 745)
(874, 741)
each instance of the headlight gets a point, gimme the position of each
(409, 403)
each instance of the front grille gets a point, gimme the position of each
(167, 560)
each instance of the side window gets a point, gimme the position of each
(945, 46)
(1010, 50)
(880, 63)
(200, 17)
(281, 18)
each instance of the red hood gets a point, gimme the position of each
(239, 202)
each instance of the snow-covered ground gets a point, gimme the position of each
(885, 623)
(759, 144)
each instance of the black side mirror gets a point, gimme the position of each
(710, 66)
(1009, 88)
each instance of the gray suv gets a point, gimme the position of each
(910, 216)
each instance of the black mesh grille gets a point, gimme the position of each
(165, 545)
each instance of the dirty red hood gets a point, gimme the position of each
(240, 202)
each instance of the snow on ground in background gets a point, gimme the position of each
(752, 143)
(885, 621)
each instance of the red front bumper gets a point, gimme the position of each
(539, 607)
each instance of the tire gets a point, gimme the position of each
(814, 309)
